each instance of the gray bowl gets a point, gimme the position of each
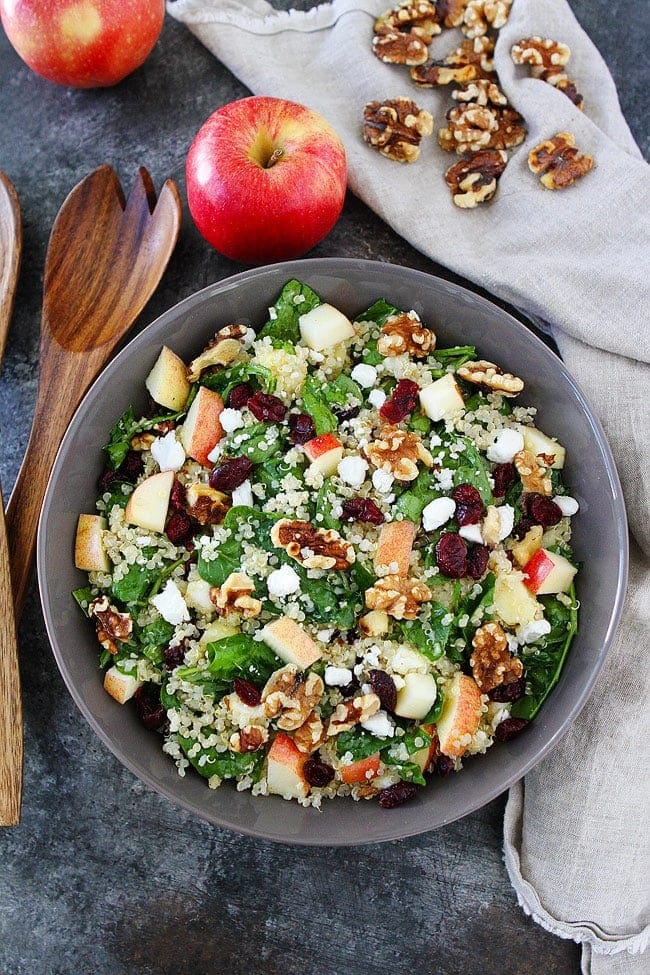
(460, 317)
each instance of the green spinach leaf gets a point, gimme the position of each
(315, 402)
(227, 765)
(242, 372)
(126, 427)
(295, 299)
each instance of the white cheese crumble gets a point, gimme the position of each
(471, 533)
(382, 481)
(283, 581)
(506, 520)
(534, 631)
(437, 512)
(353, 470)
(231, 420)
(216, 451)
(379, 724)
(171, 605)
(568, 506)
(377, 398)
(444, 479)
(365, 375)
(243, 495)
(168, 452)
(337, 676)
(506, 445)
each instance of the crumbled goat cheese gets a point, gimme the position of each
(437, 512)
(506, 445)
(283, 581)
(377, 398)
(324, 636)
(444, 479)
(534, 631)
(568, 506)
(337, 676)
(216, 451)
(506, 520)
(168, 452)
(353, 470)
(243, 495)
(382, 481)
(365, 375)
(171, 605)
(231, 420)
(471, 533)
(379, 724)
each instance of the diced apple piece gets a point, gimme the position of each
(167, 382)
(284, 775)
(120, 686)
(513, 603)
(357, 772)
(547, 572)
(375, 623)
(291, 643)
(218, 630)
(395, 545)
(202, 430)
(442, 399)
(324, 326)
(524, 550)
(147, 506)
(197, 596)
(416, 698)
(424, 756)
(538, 443)
(461, 714)
(89, 552)
(325, 453)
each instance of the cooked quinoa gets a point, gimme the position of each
(336, 564)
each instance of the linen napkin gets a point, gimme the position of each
(575, 832)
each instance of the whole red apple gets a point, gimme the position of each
(265, 179)
(83, 43)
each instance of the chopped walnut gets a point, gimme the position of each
(234, 596)
(311, 734)
(398, 596)
(483, 91)
(290, 696)
(351, 713)
(221, 351)
(396, 127)
(249, 739)
(112, 626)
(541, 54)
(394, 47)
(470, 61)
(375, 623)
(511, 129)
(484, 373)
(406, 333)
(469, 128)
(315, 548)
(532, 473)
(366, 790)
(566, 86)
(523, 551)
(418, 17)
(451, 12)
(559, 161)
(491, 662)
(474, 180)
(205, 504)
(142, 441)
(481, 15)
(398, 451)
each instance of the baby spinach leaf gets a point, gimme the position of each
(315, 403)
(258, 444)
(422, 490)
(340, 389)
(241, 655)
(378, 312)
(455, 356)
(117, 495)
(167, 699)
(361, 744)
(242, 372)
(434, 714)
(470, 468)
(134, 586)
(83, 597)
(227, 765)
(156, 634)
(126, 427)
(295, 299)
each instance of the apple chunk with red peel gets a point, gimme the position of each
(357, 772)
(285, 763)
(167, 382)
(120, 686)
(202, 431)
(89, 551)
(325, 453)
(547, 573)
(291, 643)
(461, 714)
(324, 326)
(147, 506)
(395, 545)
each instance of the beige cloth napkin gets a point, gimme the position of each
(576, 832)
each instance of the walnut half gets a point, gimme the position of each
(395, 128)
(533, 475)
(112, 626)
(398, 452)
(290, 696)
(474, 180)
(484, 373)
(406, 333)
(491, 662)
(234, 596)
(470, 61)
(481, 15)
(559, 161)
(418, 17)
(315, 548)
(398, 596)
(350, 713)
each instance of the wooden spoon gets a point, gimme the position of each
(104, 260)
(11, 719)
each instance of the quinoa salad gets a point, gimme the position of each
(333, 558)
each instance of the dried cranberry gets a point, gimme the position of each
(179, 527)
(510, 728)
(506, 693)
(349, 690)
(522, 527)
(477, 560)
(451, 555)
(343, 415)
(174, 656)
(268, 408)
(230, 475)
(362, 509)
(105, 481)
(542, 510)
(147, 703)
(301, 428)
(397, 795)
(317, 773)
(247, 692)
(239, 396)
(403, 401)
(503, 476)
(384, 687)
(132, 466)
(469, 506)
(177, 496)
(444, 766)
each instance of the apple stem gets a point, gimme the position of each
(275, 156)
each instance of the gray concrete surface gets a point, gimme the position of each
(104, 877)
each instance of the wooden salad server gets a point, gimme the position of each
(11, 719)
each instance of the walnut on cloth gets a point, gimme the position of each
(470, 61)
(541, 54)
(483, 91)
(472, 127)
(398, 596)
(559, 161)
(112, 626)
(481, 15)
(491, 662)
(395, 128)
(406, 333)
(395, 47)
(398, 451)
(484, 373)
(418, 17)
(473, 180)
(315, 548)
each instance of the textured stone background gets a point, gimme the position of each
(103, 877)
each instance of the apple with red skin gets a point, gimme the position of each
(83, 43)
(266, 179)
(548, 572)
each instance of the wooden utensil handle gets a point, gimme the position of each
(11, 721)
